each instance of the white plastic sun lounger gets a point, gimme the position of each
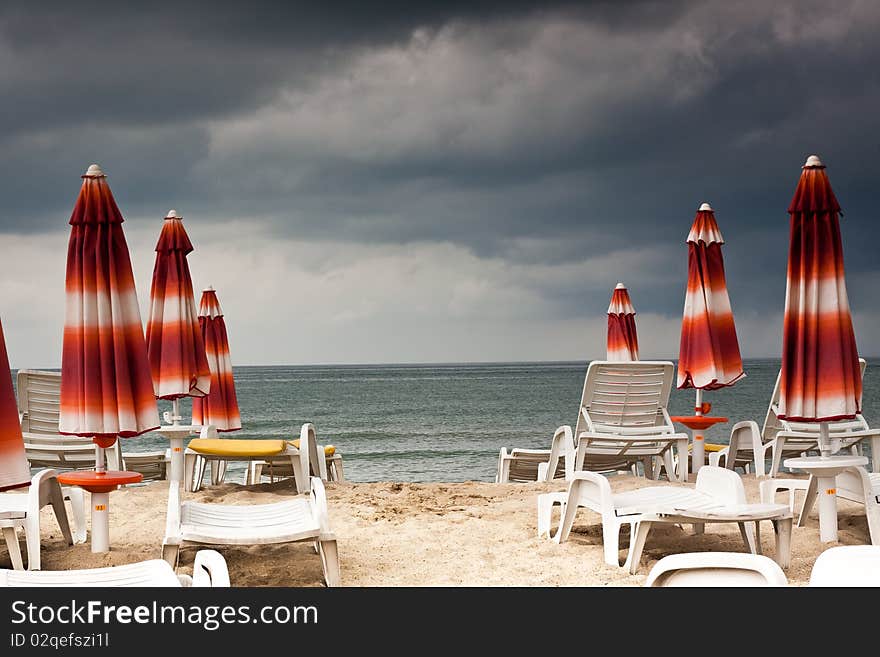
(719, 496)
(710, 569)
(778, 438)
(847, 565)
(301, 462)
(209, 569)
(303, 518)
(623, 421)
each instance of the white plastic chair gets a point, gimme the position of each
(22, 511)
(847, 565)
(719, 496)
(299, 519)
(209, 569)
(711, 569)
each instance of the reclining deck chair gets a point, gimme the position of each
(719, 496)
(303, 518)
(210, 449)
(782, 438)
(622, 421)
(209, 569)
(39, 394)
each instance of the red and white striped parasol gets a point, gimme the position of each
(220, 406)
(175, 346)
(623, 342)
(820, 379)
(708, 356)
(106, 387)
(14, 469)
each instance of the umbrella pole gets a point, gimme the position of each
(100, 459)
(824, 440)
(698, 452)
(175, 411)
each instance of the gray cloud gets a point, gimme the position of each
(530, 136)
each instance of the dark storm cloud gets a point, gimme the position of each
(539, 133)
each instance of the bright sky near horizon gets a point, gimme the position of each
(437, 182)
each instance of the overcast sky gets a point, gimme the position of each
(458, 181)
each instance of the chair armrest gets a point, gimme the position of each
(592, 487)
(39, 491)
(210, 569)
(319, 507)
(503, 474)
(562, 445)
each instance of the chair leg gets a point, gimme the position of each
(330, 561)
(32, 540)
(670, 467)
(611, 541)
(171, 553)
(545, 514)
(56, 499)
(11, 537)
(809, 498)
(778, 446)
(637, 540)
(189, 467)
(201, 464)
(748, 535)
(78, 510)
(783, 541)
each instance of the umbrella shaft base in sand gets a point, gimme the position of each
(827, 509)
(698, 452)
(100, 522)
(176, 444)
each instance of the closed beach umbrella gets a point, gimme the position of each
(820, 379)
(14, 470)
(175, 346)
(106, 387)
(708, 355)
(623, 342)
(220, 406)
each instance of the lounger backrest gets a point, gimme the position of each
(773, 425)
(39, 395)
(630, 395)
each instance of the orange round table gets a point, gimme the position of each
(100, 485)
(698, 424)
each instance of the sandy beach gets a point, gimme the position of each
(412, 534)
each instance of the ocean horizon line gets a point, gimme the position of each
(474, 363)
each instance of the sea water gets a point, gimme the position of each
(448, 422)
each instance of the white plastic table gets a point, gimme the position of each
(175, 433)
(825, 470)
